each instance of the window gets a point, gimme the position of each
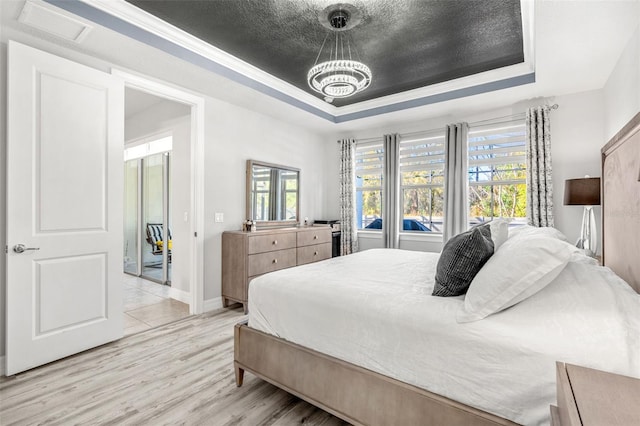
(497, 173)
(422, 181)
(369, 164)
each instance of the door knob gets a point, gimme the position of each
(21, 248)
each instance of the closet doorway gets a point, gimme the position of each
(148, 249)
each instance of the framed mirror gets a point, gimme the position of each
(273, 194)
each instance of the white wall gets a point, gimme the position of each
(162, 118)
(622, 91)
(577, 135)
(234, 135)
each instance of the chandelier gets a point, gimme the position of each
(341, 76)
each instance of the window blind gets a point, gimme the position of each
(423, 153)
(369, 158)
(497, 146)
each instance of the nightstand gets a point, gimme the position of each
(593, 397)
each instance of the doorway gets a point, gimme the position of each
(189, 217)
(157, 287)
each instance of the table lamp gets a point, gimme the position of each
(585, 192)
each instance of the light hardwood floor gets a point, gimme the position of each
(180, 373)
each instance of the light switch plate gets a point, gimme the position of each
(219, 217)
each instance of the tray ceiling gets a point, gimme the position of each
(406, 44)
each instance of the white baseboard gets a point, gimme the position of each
(180, 295)
(2, 365)
(212, 304)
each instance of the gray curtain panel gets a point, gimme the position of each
(539, 184)
(456, 186)
(349, 237)
(391, 192)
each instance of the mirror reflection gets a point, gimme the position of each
(272, 192)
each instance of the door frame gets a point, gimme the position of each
(196, 214)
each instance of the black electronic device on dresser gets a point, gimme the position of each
(335, 234)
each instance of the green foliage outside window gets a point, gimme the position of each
(506, 197)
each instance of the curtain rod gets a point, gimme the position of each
(374, 139)
(554, 106)
(365, 140)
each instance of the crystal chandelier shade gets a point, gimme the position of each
(341, 76)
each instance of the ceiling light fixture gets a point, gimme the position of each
(341, 76)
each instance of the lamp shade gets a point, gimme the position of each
(582, 192)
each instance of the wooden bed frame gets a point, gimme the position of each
(621, 203)
(363, 397)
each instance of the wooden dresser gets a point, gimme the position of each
(246, 255)
(593, 397)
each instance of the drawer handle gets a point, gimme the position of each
(315, 237)
(275, 242)
(275, 260)
(315, 253)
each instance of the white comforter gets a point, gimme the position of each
(375, 309)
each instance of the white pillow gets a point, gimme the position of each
(528, 231)
(521, 268)
(499, 232)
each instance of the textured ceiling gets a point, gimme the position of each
(407, 44)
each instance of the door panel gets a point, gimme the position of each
(80, 166)
(65, 133)
(56, 279)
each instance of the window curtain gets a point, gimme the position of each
(391, 192)
(539, 184)
(456, 185)
(349, 236)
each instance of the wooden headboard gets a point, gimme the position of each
(621, 203)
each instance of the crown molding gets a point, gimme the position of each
(127, 19)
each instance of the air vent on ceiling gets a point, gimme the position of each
(53, 22)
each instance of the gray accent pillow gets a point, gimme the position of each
(461, 259)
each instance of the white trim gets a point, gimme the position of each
(213, 304)
(371, 235)
(180, 295)
(148, 138)
(438, 89)
(3, 365)
(432, 237)
(164, 90)
(147, 22)
(153, 146)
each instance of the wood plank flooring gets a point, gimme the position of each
(180, 373)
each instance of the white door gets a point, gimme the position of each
(65, 125)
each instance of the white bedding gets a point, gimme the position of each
(375, 309)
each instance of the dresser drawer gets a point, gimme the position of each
(321, 236)
(272, 261)
(309, 254)
(277, 241)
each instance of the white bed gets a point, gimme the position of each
(374, 309)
